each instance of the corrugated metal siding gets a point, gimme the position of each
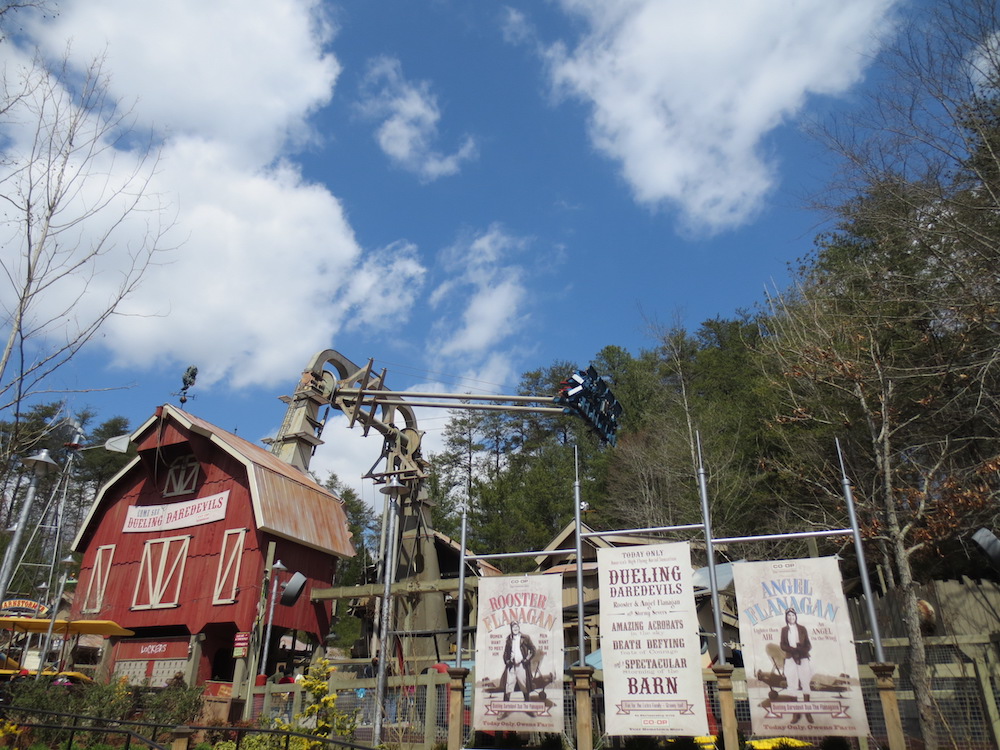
(291, 504)
(295, 511)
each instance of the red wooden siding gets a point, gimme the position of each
(140, 592)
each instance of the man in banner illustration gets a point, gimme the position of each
(518, 652)
(798, 666)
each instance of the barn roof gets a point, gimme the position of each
(286, 502)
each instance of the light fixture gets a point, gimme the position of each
(41, 463)
(394, 488)
(276, 567)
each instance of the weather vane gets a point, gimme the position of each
(190, 375)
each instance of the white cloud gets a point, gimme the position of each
(482, 302)
(410, 115)
(228, 89)
(515, 26)
(683, 94)
(264, 251)
(247, 73)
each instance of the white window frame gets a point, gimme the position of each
(227, 577)
(182, 476)
(99, 574)
(161, 569)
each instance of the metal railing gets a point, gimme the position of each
(131, 730)
(75, 725)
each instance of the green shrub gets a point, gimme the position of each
(172, 705)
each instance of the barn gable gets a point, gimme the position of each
(286, 502)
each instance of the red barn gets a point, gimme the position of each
(178, 547)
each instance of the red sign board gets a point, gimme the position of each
(241, 644)
(153, 649)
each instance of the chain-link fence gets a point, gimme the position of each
(966, 677)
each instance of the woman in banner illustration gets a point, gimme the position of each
(518, 652)
(798, 665)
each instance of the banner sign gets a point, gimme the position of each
(519, 654)
(650, 645)
(241, 644)
(798, 649)
(155, 648)
(145, 518)
(23, 608)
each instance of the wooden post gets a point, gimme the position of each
(890, 703)
(456, 707)
(727, 706)
(180, 738)
(582, 692)
(989, 699)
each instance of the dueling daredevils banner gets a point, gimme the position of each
(650, 645)
(802, 670)
(519, 654)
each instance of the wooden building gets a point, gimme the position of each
(178, 547)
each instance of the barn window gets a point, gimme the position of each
(228, 575)
(182, 477)
(161, 571)
(94, 600)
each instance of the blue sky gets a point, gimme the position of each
(461, 190)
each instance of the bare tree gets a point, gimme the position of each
(893, 334)
(79, 223)
(880, 346)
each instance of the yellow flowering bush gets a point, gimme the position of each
(319, 715)
(9, 731)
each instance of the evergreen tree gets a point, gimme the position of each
(363, 525)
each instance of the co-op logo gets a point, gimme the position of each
(153, 648)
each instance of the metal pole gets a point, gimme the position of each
(866, 585)
(781, 537)
(723, 670)
(40, 463)
(713, 581)
(270, 613)
(74, 452)
(54, 612)
(460, 618)
(580, 634)
(393, 490)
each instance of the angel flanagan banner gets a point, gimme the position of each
(798, 649)
(519, 654)
(649, 641)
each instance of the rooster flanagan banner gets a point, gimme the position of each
(798, 649)
(650, 645)
(519, 654)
